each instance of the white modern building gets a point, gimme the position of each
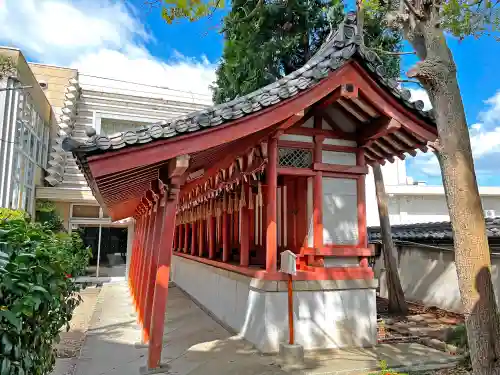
(416, 202)
(26, 120)
(81, 101)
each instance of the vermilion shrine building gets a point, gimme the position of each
(218, 194)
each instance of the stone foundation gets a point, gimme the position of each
(329, 314)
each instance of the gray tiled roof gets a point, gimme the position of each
(343, 45)
(435, 232)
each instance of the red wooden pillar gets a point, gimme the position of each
(201, 240)
(361, 196)
(151, 276)
(144, 254)
(133, 258)
(186, 237)
(363, 240)
(174, 246)
(271, 203)
(245, 236)
(211, 236)
(181, 237)
(140, 250)
(147, 261)
(225, 235)
(194, 235)
(161, 284)
(318, 194)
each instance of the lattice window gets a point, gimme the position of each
(294, 157)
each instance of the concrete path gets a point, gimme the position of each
(194, 344)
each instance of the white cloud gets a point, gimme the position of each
(485, 144)
(99, 37)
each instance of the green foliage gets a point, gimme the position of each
(7, 213)
(266, 40)
(7, 66)
(37, 295)
(193, 10)
(46, 213)
(461, 18)
(385, 371)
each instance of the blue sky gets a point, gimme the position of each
(126, 40)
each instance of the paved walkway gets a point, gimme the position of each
(194, 344)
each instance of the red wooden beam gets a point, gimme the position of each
(322, 167)
(158, 151)
(295, 172)
(378, 128)
(313, 132)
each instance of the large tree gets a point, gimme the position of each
(424, 23)
(266, 40)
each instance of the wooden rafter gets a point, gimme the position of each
(340, 133)
(378, 128)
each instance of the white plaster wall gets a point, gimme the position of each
(340, 212)
(430, 276)
(335, 157)
(324, 319)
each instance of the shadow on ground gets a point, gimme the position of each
(195, 344)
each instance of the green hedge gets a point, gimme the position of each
(37, 295)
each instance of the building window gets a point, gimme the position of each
(87, 212)
(111, 123)
(30, 145)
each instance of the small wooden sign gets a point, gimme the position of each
(288, 262)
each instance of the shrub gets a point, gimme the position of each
(37, 295)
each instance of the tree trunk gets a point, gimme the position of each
(437, 73)
(397, 302)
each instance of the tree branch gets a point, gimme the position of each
(435, 146)
(412, 9)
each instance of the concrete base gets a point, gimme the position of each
(328, 314)
(162, 369)
(291, 355)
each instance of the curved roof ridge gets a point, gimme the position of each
(338, 49)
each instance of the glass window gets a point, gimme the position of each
(39, 152)
(33, 142)
(19, 132)
(27, 200)
(111, 126)
(15, 194)
(20, 199)
(39, 126)
(30, 173)
(16, 165)
(26, 139)
(85, 211)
